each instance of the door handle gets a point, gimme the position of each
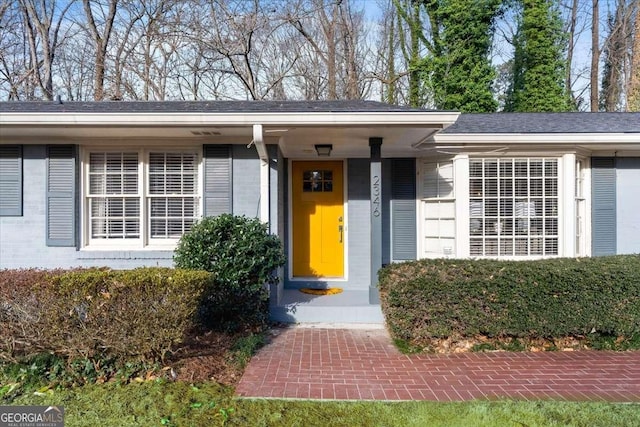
(340, 228)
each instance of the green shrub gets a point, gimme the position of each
(441, 298)
(99, 314)
(244, 258)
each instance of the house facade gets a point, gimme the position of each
(348, 186)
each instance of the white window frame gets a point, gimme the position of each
(583, 206)
(144, 241)
(580, 201)
(559, 215)
(431, 210)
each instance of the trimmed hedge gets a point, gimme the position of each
(442, 298)
(132, 315)
(20, 311)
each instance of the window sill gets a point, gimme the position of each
(108, 253)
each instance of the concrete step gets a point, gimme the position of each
(320, 314)
(351, 306)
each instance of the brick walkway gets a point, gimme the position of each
(313, 363)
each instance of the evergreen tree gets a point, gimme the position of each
(458, 70)
(539, 63)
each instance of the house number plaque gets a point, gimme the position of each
(375, 195)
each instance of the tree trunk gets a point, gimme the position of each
(43, 37)
(633, 98)
(572, 34)
(101, 42)
(330, 34)
(391, 64)
(595, 54)
(415, 98)
(351, 66)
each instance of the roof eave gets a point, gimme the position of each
(539, 138)
(384, 118)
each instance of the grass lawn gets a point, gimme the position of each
(158, 403)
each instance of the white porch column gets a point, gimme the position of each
(258, 140)
(461, 194)
(567, 206)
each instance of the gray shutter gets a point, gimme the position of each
(10, 180)
(603, 206)
(403, 209)
(217, 180)
(61, 195)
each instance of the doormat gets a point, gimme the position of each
(328, 291)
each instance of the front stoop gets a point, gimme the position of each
(350, 307)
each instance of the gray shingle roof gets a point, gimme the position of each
(531, 123)
(203, 107)
(501, 123)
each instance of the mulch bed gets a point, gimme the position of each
(207, 357)
(483, 343)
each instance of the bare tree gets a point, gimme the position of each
(595, 55)
(348, 33)
(125, 41)
(189, 79)
(389, 75)
(412, 42)
(143, 47)
(43, 21)
(614, 55)
(617, 68)
(333, 44)
(100, 40)
(391, 70)
(577, 16)
(238, 39)
(323, 42)
(74, 75)
(13, 61)
(152, 50)
(633, 97)
(573, 23)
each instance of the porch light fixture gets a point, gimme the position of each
(324, 150)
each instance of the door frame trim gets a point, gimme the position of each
(345, 205)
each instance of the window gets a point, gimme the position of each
(142, 197)
(513, 207)
(317, 181)
(438, 208)
(173, 198)
(114, 196)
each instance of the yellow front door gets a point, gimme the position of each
(318, 219)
